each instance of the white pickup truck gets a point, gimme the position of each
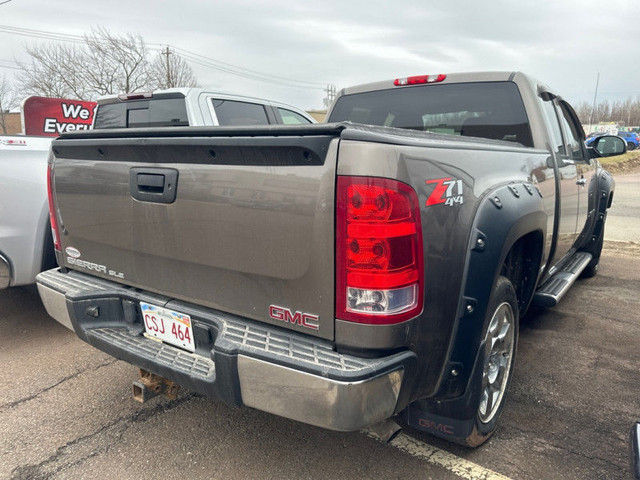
(26, 246)
(195, 107)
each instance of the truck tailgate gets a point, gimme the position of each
(250, 231)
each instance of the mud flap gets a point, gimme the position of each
(452, 429)
(458, 420)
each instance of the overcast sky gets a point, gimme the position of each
(314, 43)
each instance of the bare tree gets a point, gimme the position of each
(602, 113)
(8, 100)
(623, 112)
(118, 63)
(615, 112)
(634, 111)
(55, 71)
(105, 64)
(169, 70)
(583, 110)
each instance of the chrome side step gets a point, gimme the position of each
(552, 291)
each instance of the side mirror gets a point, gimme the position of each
(609, 146)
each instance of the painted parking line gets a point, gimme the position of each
(456, 465)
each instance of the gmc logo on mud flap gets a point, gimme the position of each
(439, 427)
(298, 318)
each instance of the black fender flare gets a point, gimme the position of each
(600, 198)
(505, 215)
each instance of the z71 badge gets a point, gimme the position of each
(447, 191)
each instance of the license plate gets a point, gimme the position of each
(169, 326)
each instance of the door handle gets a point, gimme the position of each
(157, 185)
(151, 182)
(582, 181)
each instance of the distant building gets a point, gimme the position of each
(12, 124)
(318, 114)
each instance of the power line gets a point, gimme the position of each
(14, 66)
(247, 70)
(196, 58)
(210, 64)
(27, 32)
(241, 71)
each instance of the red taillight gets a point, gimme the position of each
(52, 211)
(135, 96)
(379, 267)
(419, 79)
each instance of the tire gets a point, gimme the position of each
(631, 146)
(497, 361)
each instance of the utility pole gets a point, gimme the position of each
(166, 53)
(331, 95)
(595, 96)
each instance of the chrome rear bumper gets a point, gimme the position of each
(316, 400)
(241, 362)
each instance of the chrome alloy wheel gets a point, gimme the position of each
(499, 344)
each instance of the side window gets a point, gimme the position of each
(574, 143)
(554, 127)
(231, 112)
(292, 118)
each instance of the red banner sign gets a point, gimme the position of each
(53, 116)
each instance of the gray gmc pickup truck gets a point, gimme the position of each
(335, 274)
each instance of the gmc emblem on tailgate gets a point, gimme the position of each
(298, 318)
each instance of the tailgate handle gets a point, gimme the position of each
(157, 185)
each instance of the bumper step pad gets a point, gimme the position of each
(156, 351)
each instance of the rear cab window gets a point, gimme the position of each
(491, 110)
(290, 117)
(158, 111)
(233, 112)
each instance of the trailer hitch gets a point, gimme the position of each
(151, 385)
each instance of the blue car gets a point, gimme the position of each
(632, 139)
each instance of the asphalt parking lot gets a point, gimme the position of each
(66, 409)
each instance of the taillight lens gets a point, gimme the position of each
(52, 212)
(135, 96)
(379, 266)
(419, 79)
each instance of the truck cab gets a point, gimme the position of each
(180, 107)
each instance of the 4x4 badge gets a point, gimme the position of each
(447, 191)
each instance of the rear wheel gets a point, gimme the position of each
(501, 336)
